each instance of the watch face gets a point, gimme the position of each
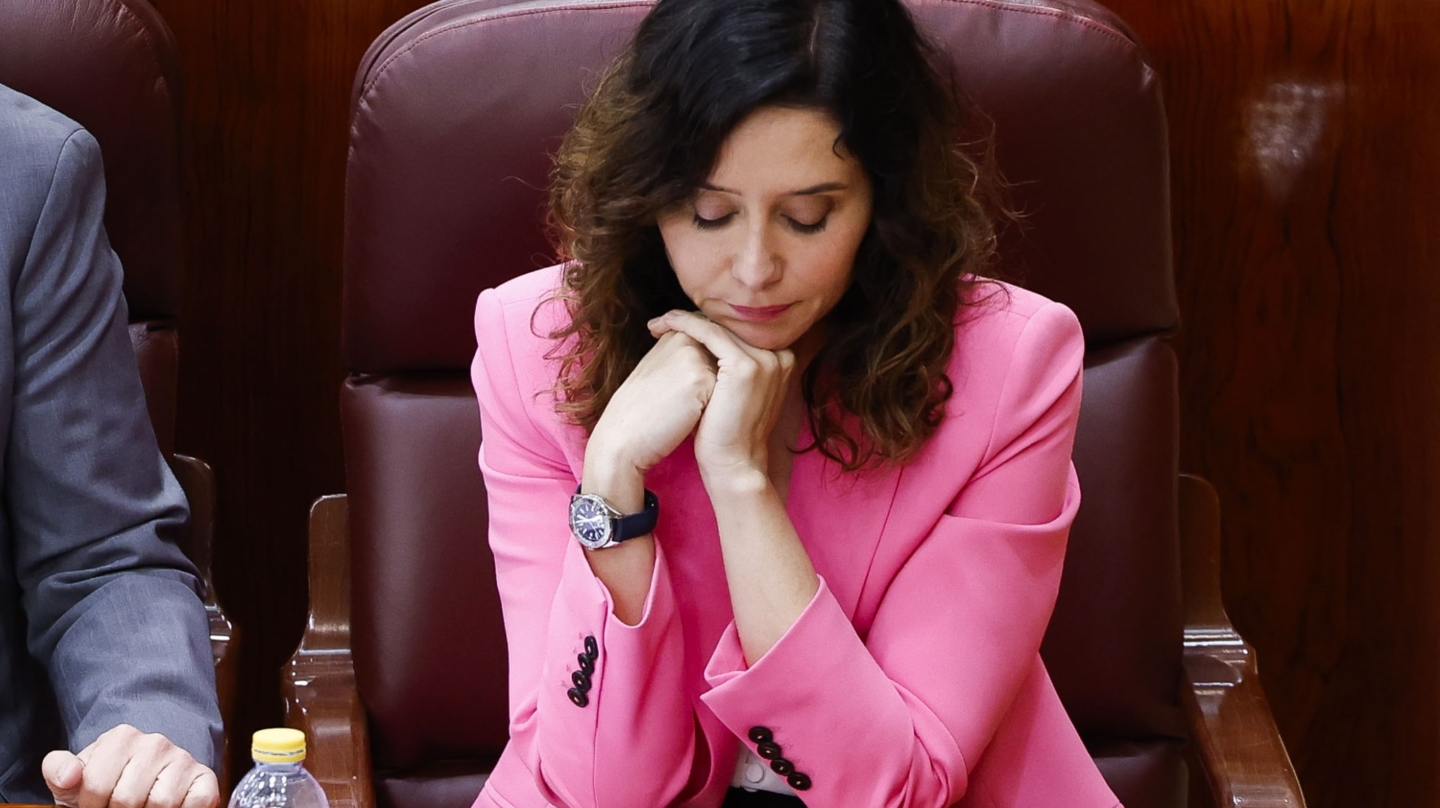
(590, 521)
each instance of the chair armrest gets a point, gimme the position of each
(318, 683)
(1236, 738)
(198, 481)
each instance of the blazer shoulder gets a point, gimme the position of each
(1011, 346)
(515, 367)
(530, 291)
(47, 161)
(33, 138)
(521, 314)
(28, 126)
(1004, 323)
(1017, 355)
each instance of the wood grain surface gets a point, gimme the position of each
(267, 88)
(1305, 140)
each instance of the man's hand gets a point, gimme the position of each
(126, 768)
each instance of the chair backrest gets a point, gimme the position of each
(455, 112)
(111, 65)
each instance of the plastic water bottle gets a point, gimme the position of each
(278, 779)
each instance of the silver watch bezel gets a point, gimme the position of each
(612, 514)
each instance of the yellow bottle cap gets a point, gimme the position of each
(278, 746)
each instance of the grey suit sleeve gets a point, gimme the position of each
(112, 604)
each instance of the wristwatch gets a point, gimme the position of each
(598, 525)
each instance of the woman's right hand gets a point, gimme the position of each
(654, 409)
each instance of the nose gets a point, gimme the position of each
(757, 263)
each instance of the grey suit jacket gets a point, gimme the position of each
(101, 621)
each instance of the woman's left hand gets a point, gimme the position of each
(733, 436)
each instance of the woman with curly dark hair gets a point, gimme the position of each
(815, 467)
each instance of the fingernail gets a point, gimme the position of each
(70, 769)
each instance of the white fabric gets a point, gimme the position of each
(753, 773)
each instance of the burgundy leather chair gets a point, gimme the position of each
(111, 65)
(401, 678)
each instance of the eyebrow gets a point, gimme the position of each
(812, 190)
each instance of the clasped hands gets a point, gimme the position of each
(702, 378)
(126, 768)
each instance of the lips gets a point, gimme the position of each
(759, 314)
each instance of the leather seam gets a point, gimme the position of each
(484, 18)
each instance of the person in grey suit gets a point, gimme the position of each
(104, 647)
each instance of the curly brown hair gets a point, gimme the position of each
(649, 136)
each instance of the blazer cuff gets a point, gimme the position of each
(584, 610)
(139, 654)
(631, 699)
(836, 716)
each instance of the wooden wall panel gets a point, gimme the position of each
(1306, 163)
(267, 86)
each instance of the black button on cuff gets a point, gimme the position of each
(586, 664)
(769, 751)
(592, 648)
(782, 767)
(582, 682)
(577, 697)
(761, 735)
(798, 781)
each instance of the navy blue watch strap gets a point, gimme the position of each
(642, 523)
(636, 524)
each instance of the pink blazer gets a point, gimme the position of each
(912, 679)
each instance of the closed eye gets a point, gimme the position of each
(808, 229)
(712, 224)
